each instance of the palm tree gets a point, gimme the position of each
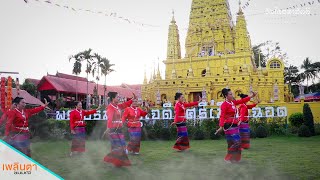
(96, 68)
(86, 56)
(76, 68)
(316, 67)
(105, 70)
(309, 71)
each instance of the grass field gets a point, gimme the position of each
(269, 158)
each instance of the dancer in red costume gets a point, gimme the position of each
(118, 155)
(244, 127)
(229, 123)
(17, 127)
(182, 142)
(78, 128)
(133, 114)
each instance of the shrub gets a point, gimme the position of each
(276, 128)
(173, 131)
(165, 134)
(96, 130)
(317, 129)
(281, 130)
(158, 125)
(272, 127)
(39, 125)
(90, 125)
(150, 133)
(199, 134)
(304, 131)
(261, 132)
(143, 133)
(191, 131)
(296, 119)
(57, 133)
(214, 136)
(308, 118)
(294, 130)
(208, 126)
(253, 134)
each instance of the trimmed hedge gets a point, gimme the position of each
(308, 118)
(296, 119)
(261, 132)
(304, 131)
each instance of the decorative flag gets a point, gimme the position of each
(112, 14)
(9, 92)
(3, 92)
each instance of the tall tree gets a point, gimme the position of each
(291, 76)
(315, 87)
(309, 71)
(76, 68)
(96, 70)
(78, 59)
(267, 50)
(30, 88)
(88, 57)
(256, 53)
(308, 118)
(316, 67)
(106, 68)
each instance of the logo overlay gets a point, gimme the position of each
(16, 165)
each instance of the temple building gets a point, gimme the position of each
(218, 55)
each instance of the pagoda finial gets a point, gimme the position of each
(158, 71)
(145, 81)
(173, 48)
(151, 78)
(173, 20)
(240, 9)
(154, 71)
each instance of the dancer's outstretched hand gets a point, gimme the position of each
(134, 96)
(253, 94)
(73, 132)
(45, 102)
(218, 130)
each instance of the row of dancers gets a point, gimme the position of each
(236, 129)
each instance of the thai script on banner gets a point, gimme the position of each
(167, 113)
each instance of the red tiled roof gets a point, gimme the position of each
(68, 76)
(64, 85)
(28, 98)
(136, 87)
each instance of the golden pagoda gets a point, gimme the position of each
(218, 55)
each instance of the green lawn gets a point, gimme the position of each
(269, 158)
